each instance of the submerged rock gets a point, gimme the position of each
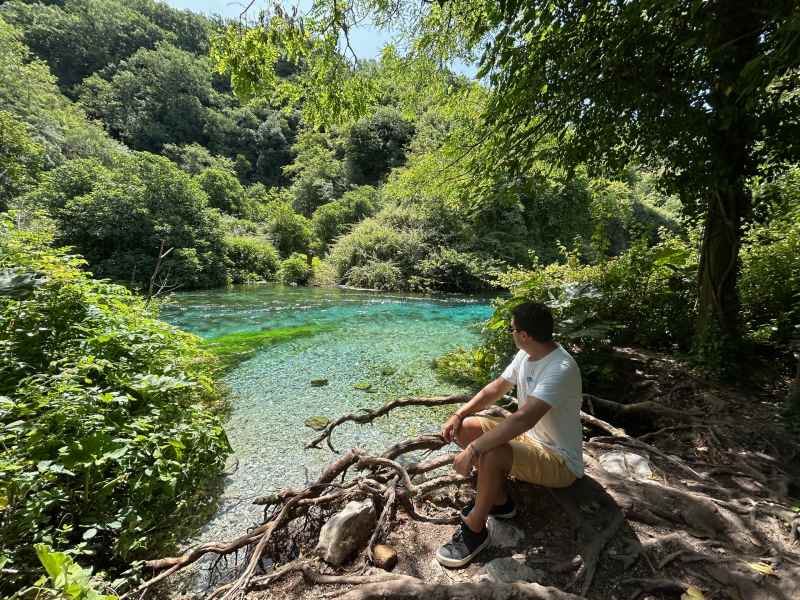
(319, 382)
(363, 386)
(387, 371)
(317, 423)
(346, 532)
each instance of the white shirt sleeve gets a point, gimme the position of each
(555, 385)
(512, 370)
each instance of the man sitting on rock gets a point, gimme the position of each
(540, 443)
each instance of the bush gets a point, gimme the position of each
(294, 270)
(223, 190)
(447, 269)
(109, 433)
(290, 231)
(769, 284)
(250, 259)
(376, 275)
(335, 218)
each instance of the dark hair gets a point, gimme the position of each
(535, 319)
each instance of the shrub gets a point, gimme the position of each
(109, 433)
(376, 275)
(223, 190)
(290, 231)
(335, 218)
(448, 269)
(250, 259)
(294, 270)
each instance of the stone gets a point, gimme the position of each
(508, 570)
(318, 382)
(346, 532)
(363, 386)
(385, 557)
(505, 534)
(626, 464)
(317, 423)
(388, 371)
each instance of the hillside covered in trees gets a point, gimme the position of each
(650, 194)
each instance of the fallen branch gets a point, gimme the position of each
(370, 415)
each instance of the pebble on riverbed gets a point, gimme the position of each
(364, 386)
(318, 382)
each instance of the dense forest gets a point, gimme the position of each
(652, 197)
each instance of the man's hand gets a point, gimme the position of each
(451, 427)
(463, 461)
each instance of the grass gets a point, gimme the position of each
(235, 348)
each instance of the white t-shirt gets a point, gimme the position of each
(556, 380)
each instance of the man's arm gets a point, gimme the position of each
(515, 424)
(490, 394)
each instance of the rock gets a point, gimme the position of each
(626, 464)
(385, 557)
(508, 570)
(317, 423)
(387, 371)
(363, 386)
(318, 382)
(504, 534)
(346, 532)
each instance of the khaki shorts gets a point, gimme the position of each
(532, 461)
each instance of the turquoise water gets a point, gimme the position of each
(373, 335)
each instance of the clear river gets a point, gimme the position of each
(385, 340)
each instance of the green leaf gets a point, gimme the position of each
(90, 533)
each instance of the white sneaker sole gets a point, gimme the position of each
(454, 563)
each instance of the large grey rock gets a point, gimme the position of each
(508, 570)
(626, 464)
(505, 534)
(346, 532)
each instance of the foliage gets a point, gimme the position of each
(335, 218)
(644, 296)
(20, 158)
(194, 158)
(29, 92)
(82, 36)
(770, 280)
(223, 190)
(295, 270)
(250, 259)
(68, 579)
(376, 144)
(234, 348)
(107, 415)
(317, 172)
(289, 231)
(118, 220)
(152, 98)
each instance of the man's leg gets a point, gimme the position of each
(470, 431)
(493, 470)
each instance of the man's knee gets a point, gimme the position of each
(500, 458)
(469, 431)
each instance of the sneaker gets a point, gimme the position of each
(465, 545)
(498, 511)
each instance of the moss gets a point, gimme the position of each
(234, 348)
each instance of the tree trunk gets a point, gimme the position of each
(732, 44)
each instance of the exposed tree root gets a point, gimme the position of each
(711, 524)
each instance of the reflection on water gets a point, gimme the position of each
(372, 335)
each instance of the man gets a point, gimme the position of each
(540, 443)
